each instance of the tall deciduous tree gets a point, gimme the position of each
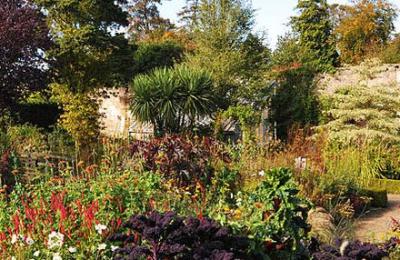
(364, 28)
(221, 33)
(145, 20)
(314, 27)
(23, 39)
(87, 55)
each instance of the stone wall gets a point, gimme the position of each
(388, 74)
(117, 120)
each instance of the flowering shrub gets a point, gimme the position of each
(168, 236)
(184, 160)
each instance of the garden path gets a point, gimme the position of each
(375, 225)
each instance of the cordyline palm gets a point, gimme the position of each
(172, 99)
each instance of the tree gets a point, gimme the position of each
(294, 103)
(364, 29)
(190, 13)
(222, 32)
(145, 21)
(23, 39)
(87, 56)
(313, 25)
(151, 55)
(173, 100)
(361, 112)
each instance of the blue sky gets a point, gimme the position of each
(271, 15)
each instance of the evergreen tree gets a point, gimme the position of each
(295, 102)
(313, 25)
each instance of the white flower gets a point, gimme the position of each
(14, 238)
(29, 241)
(261, 173)
(113, 248)
(100, 228)
(36, 253)
(56, 239)
(13, 258)
(102, 247)
(72, 249)
(56, 256)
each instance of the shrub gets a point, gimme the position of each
(173, 100)
(168, 236)
(379, 196)
(272, 213)
(179, 159)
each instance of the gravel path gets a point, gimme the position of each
(375, 225)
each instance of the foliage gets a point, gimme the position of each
(281, 213)
(247, 117)
(294, 101)
(86, 56)
(361, 111)
(181, 160)
(167, 235)
(145, 20)
(173, 100)
(364, 28)
(82, 108)
(23, 38)
(315, 33)
(152, 55)
(189, 13)
(391, 53)
(42, 115)
(222, 34)
(347, 250)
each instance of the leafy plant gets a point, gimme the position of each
(173, 100)
(168, 236)
(344, 249)
(179, 159)
(278, 216)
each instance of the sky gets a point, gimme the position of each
(272, 16)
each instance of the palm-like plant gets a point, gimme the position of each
(173, 99)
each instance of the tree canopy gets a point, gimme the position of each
(314, 27)
(23, 40)
(364, 28)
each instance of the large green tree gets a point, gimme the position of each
(222, 36)
(314, 27)
(87, 55)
